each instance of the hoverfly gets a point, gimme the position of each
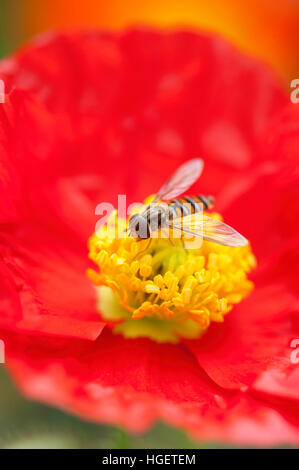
(183, 214)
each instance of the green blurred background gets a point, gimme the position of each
(253, 25)
(26, 424)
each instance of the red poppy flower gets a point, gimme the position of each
(92, 115)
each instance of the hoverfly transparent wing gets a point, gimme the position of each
(212, 230)
(180, 181)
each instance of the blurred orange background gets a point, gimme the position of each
(266, 28)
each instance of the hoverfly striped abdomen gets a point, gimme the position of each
(189, 205)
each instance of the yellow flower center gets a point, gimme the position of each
(168, 292)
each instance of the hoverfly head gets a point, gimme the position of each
(139, 227)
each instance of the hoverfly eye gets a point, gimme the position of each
(141, 228)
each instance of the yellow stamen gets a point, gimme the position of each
(169, 292)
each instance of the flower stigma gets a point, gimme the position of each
(162, 290)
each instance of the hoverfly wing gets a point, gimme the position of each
(212, 230)
(221, 233)
(180, 181)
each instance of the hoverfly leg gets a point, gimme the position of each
(140, 253)
(164, 233)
